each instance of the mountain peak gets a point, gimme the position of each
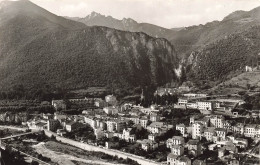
(94, 14)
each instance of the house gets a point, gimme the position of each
(172, 159)
(154, 118)
(209, 133)
(91, 121)
(238, 128)
(110, 110)
(147, 144)
(158, 127)
(205, 105)
(135, 119)
(115, 125)
(182, 101)
(217, 121)
(197, 130)
(221, 133)
(177, 150)
(152, 137)
(181, 128)
(53, 125)
(143, 122)
(194, 147)
(183, 160)
(250, 130)
(175, 140)
(72, 126)
(128, 135)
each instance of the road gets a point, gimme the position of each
(18, 135)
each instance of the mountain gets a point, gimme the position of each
(219, 50)
(126, 24)
(38, 48)
(195, 37)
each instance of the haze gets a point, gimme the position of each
(166, 13)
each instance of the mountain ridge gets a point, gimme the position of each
(41, 48)
(126, 24)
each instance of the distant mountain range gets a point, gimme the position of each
(126, 24)
(39, 48)
(213, 51)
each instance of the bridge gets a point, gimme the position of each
(18, 135)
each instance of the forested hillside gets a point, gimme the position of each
(39, 48)
(224, 57)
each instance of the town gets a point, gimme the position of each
(179, 128)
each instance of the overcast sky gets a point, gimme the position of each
(166, 13)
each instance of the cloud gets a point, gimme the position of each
(166, 13)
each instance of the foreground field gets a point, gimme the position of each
(64, 154)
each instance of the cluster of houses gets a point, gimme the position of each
(204, 103)
(109, 120)
(214, 129)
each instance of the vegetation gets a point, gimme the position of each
(66, 54)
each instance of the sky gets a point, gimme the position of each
(165, 13)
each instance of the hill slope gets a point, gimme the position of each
(38, 47)
(127, 24)
(197, 37)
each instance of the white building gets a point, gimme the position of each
(217, 121)
(181, 128)
(175, 140)
(205, 105)
(197, 130)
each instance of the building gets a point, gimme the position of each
(197, 130)
(209, 133)
(147, 144)
(143, 122)
(177, 150)
(183, 160)
(217, 121)
(110, 110)
(91, 121)
(53, 125)
(181, 128)
(221, 133)
(128, 135)
(154, 118)
(152, 137)
(205, 105)
(250, 130)
(172, 159)
(175, 140)
(72, 126)
(194, 147)
(158, 127)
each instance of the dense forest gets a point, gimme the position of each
(40, 48)
(223, 58)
